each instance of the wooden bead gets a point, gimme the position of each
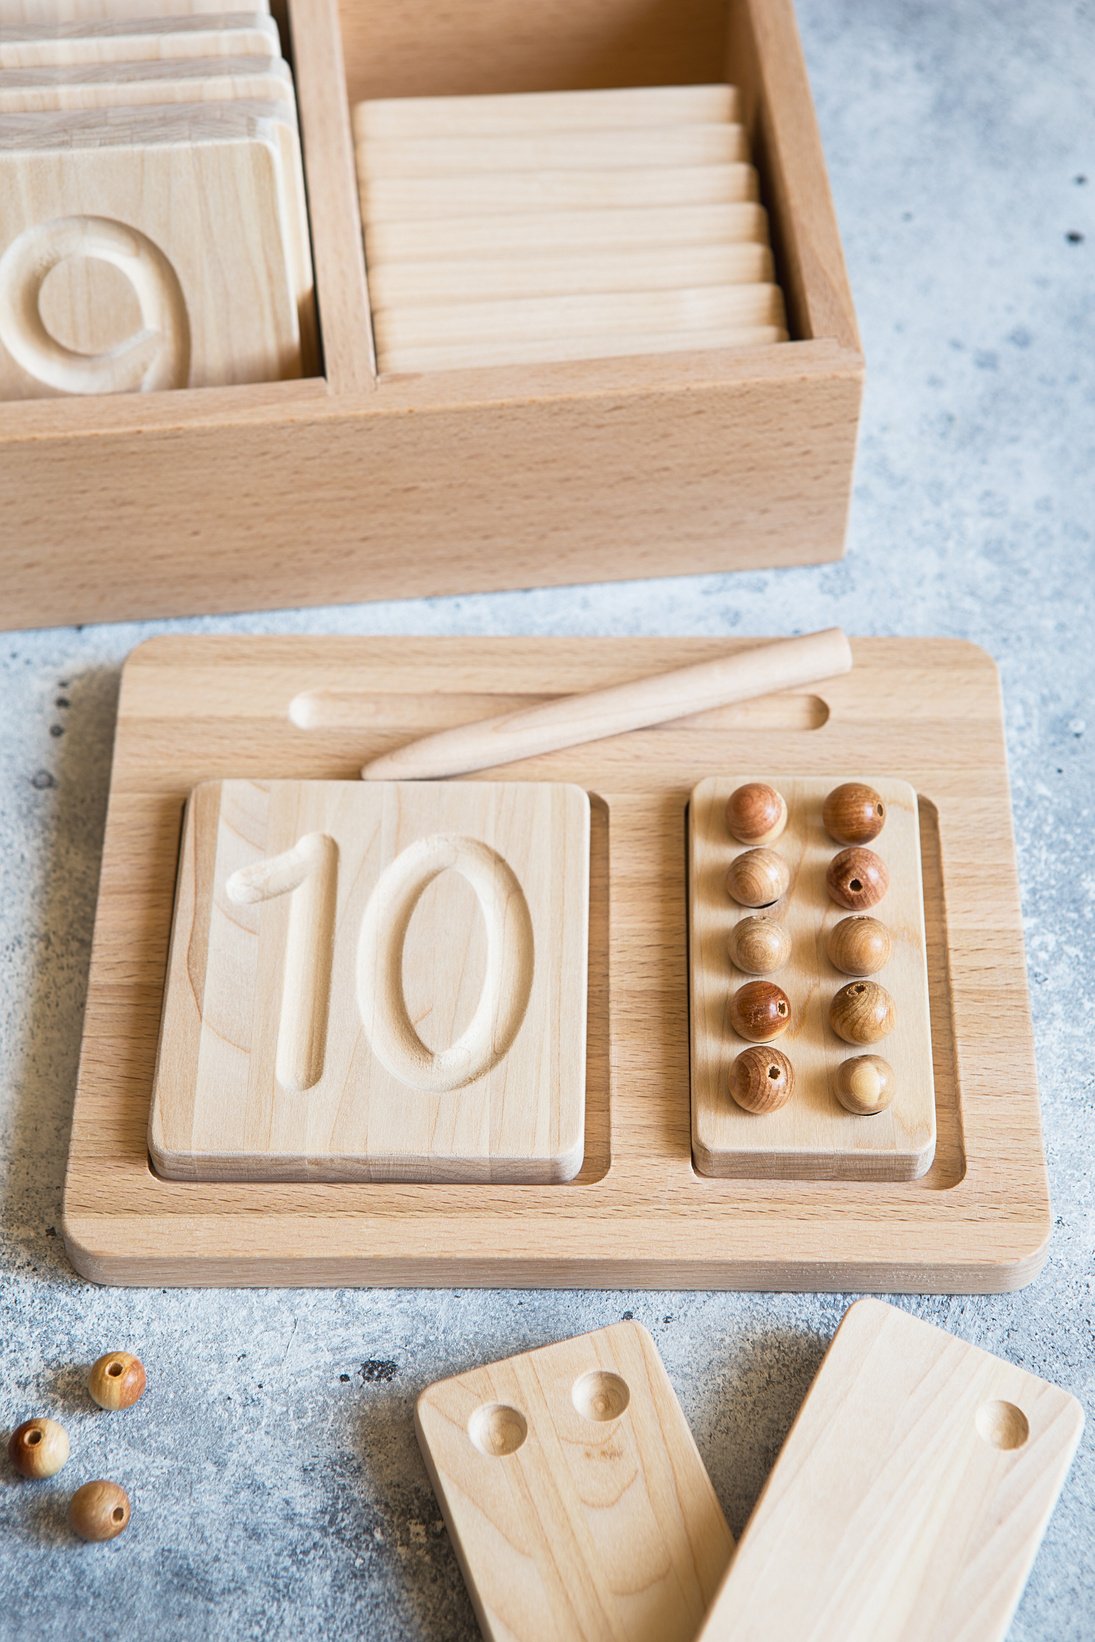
(756, 813)
(859, 946)
(865, 1084)
(862, 1012)
(857, 879)
(759, 1011)
(38, 1448)
(762, 1080)
(853, 813)
(759, 945)
(99, 1510)
(758, 878)
(117, 1380)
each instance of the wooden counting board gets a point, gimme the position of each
(812, 1136)
(574, 1494)
(376, 983)
(910, 1498)
(308, 710)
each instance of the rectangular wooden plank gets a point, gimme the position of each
(231, 34)
(910, 1498)
(516, 113)
(812, 1136)
(574, 1494)
(139, 189)
(377, 982)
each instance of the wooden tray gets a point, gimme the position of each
(178, 502)
(637, 1214)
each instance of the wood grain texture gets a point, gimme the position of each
(413, 199)
(376, 983)
(506, 153)
(130, 85)
(812, 1136)
(205, 708)
(574, 1495)
(910, 1498)
(134, 187)
(758, 473)
(531, 234)
(42, 45)
(612, 109)
(15, 12)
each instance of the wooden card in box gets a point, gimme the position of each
(376, 982)
(474, 478)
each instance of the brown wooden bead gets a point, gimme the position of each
(757, 878)
(99, 1510)
(38, 1448)
(865, 1084)
(756, 813)
(857, 879)
(762, 1080)
(759, 945)
(862, 1012)
(853, 813)
(117, 1380)
(760, 1011)
(859, 946)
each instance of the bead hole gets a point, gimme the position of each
(880, 810)
(114, 1370)
(118, 1514)
(781, 1009)
(859, 988)
(773, 1071)
(1002, 1425)
(600, 1395)
(34, 1438)
(855, 884)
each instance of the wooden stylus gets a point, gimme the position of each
(569, 720)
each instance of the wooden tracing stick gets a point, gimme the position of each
(568, 721)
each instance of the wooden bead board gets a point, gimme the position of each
(812, 1136)
(574, 1494)
(637, 1214)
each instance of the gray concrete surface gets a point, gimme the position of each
(277, 1487)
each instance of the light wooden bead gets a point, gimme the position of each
(38, 1448)
(862, 1012)
(865, 1084)
(756, 813)
(117, 1380)
(853, 813)
(760, 1011)
(758, 878)
(99, 1510)
(859, 946)
(759, 945)
(762, 1080)
(857, 879)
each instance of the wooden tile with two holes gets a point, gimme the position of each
(376, 983)
(638, 1214)
(103, 297)
(909, 1501)
(574, 1494)
(808, 1133)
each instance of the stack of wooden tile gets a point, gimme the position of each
(562, 225)
(154, 232)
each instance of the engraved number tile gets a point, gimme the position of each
(376, 982)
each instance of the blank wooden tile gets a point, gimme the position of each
(190, 206)
(406, 199)
(909, 1500)
(444, 156)
(515, 113)
(133, 85)
(812, 1136)
(577, 1503)
(36, 12)
(377, 981)
(233, 34)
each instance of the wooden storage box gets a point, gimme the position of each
(351, 485)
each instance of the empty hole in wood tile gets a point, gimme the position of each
(601, 1395)
(1002, 1425)
(496, 1429)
